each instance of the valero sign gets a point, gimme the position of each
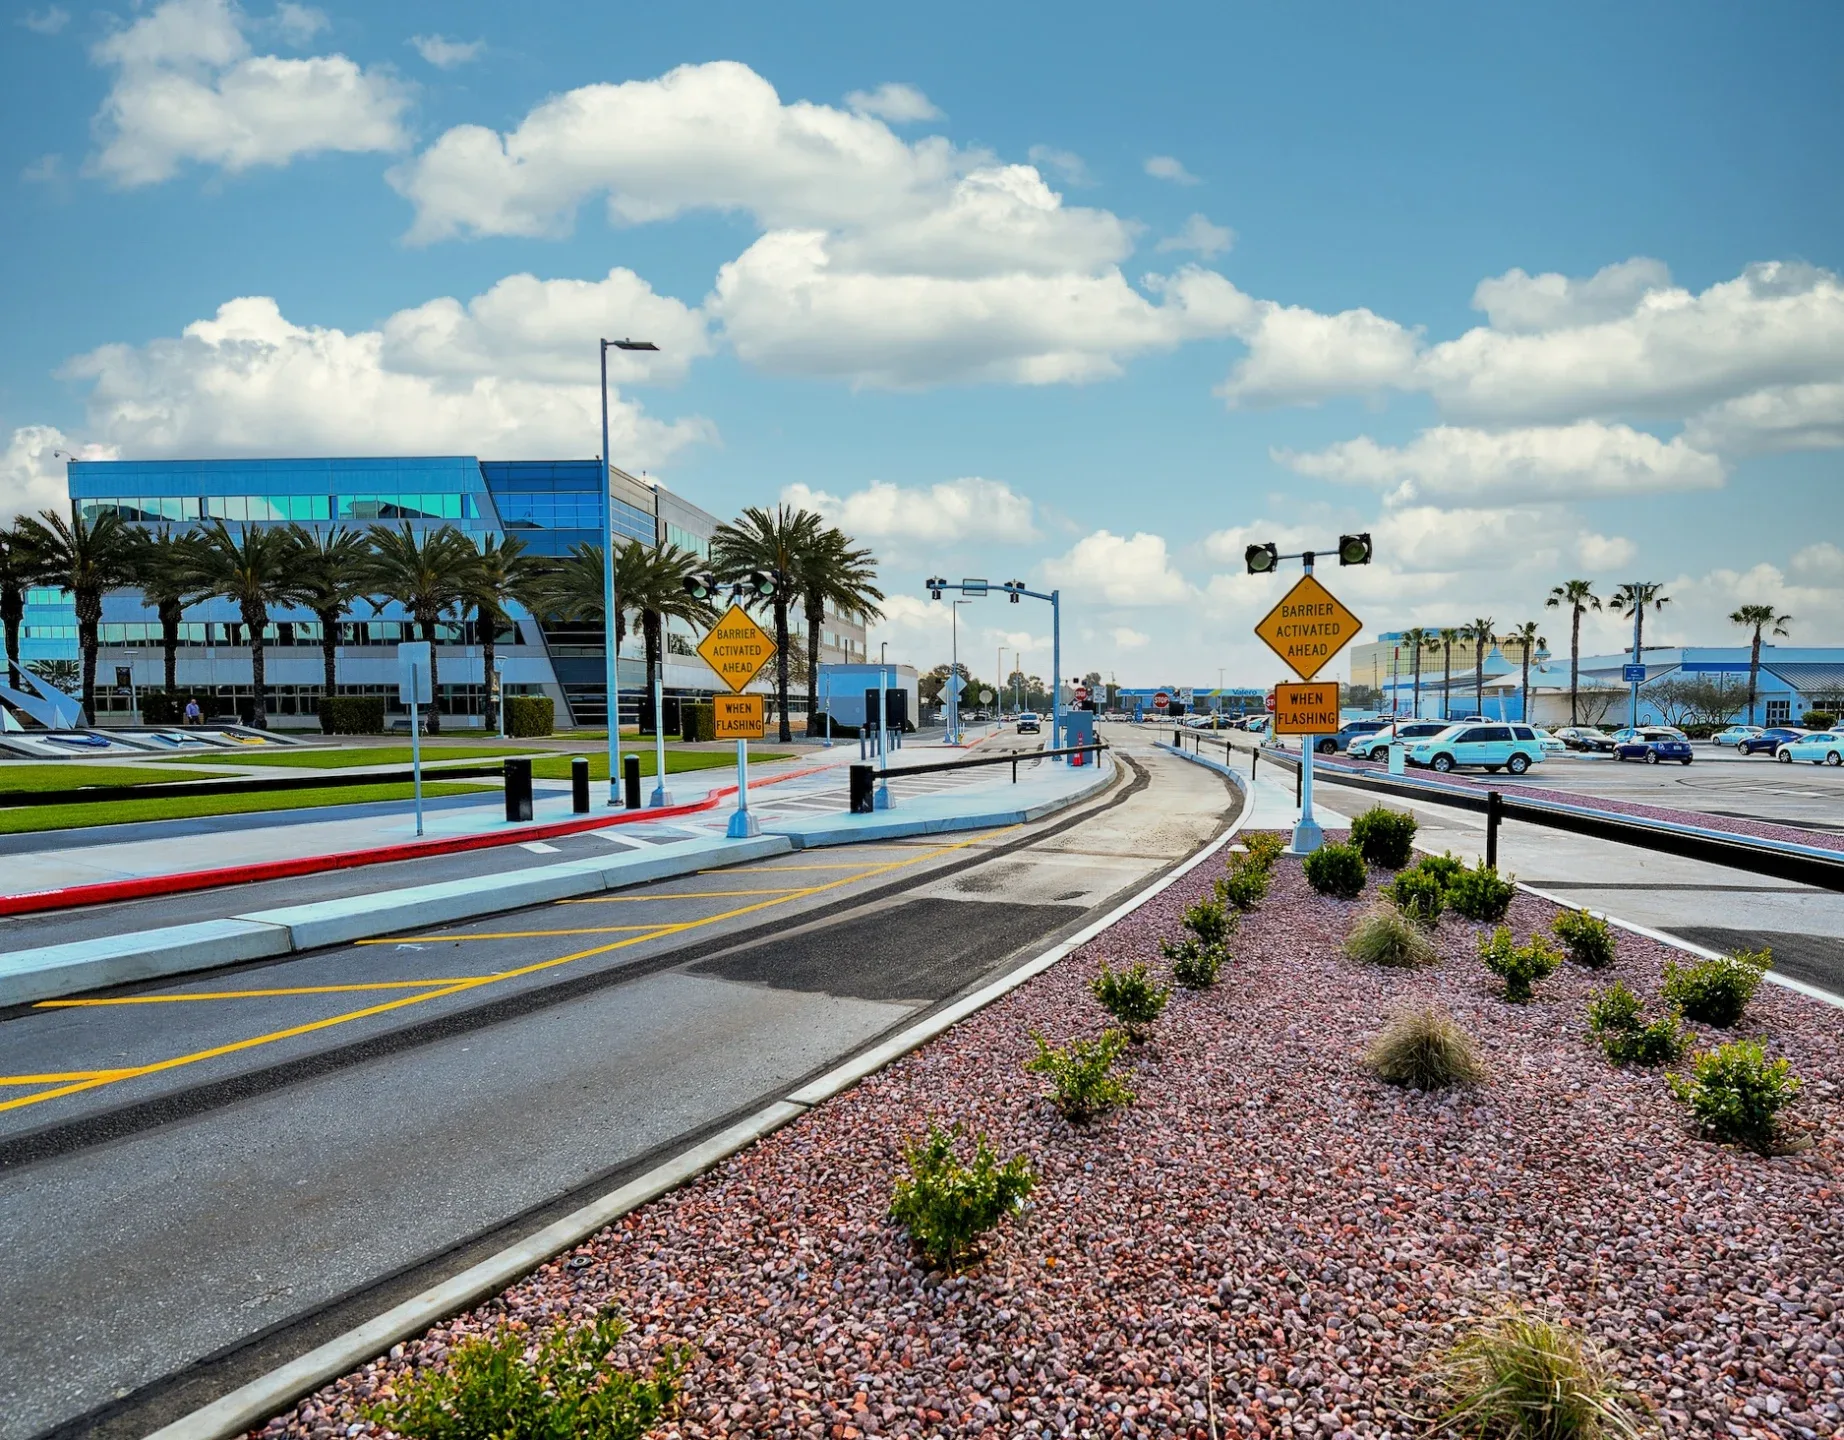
(738, 717)
(737, 648)
(1308, 628)
(1306, 709)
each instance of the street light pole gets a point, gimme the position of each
(954, 672)
(611, 675)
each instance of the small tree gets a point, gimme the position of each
(88, 558)
(255, 568)
(428, 572)
(332, 569)
(1579, 597)
(1758, 618)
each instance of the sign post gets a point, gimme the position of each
(1306, 630)
(737, 648)
(413, 690)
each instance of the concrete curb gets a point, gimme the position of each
(1197, 759)
(250, 1405)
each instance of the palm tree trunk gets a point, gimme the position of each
(1446, 681)
(815, 614)
(169, 642)
(89, 618)
(1416, 704)
(781, 664)
(1574, 660)
(435, 694)
(1479, 677)
(1754, 670)
(488, 633)
(652, 636)
(329, 652)
(12, 616)
(1527, 719)
(255, 619)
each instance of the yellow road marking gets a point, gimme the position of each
(677, 895)
(59, 1079)
(249, 994)
(534, 934)
(783, 869)
(98, 1078)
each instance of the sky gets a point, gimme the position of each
(1086, 296)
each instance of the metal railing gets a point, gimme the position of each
(863, 776)
(246, 785)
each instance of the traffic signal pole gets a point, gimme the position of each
(1307, 836)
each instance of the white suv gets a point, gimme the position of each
(1366, 747)
(1495, 747)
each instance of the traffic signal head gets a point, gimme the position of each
(1262, 558)
(935, 582)
(763, 582)
(1354, 549)
(1014, 589)
(700, 587)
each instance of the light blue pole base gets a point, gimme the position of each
(662, 797)
(1307, 837)
(743, 825)
(881, 799)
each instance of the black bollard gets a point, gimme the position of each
(863, 801)
(518, 788)
(579, 786)
(630, 780)
(1494, 812)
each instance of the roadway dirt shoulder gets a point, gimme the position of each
(1267, 1242)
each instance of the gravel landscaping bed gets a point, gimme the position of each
(1269, 1239)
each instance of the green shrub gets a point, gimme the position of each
(1715, 992)
(1735, 1093)
(1246, 885)
(697, 722)
(1418, 894)
(1817, 720)
(1424, 1049)
(529, 715)
(1336, 870)
(1264, 847)
(1479, 894)
(1443, 867)
(1210, 921)
(1588, 938)
(946, 1204)
(1387, 937)
(489, 1390)
(1082, 1081)
(1195, 964)
(1386, 837)
(1131, 996)
(166, 707)
(1518, 1376)
(1615, 1017)
(1519, 966)
(352, 714)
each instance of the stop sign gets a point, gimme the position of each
(1270, 700)
(1161, 700)
(1081, 693)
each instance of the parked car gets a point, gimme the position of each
(1769, 740)
(1331, 744)
(1030, 723)
(1496, 747)
(1260, 724)
(1630, 733)
(1589, 739)
(1653, 746)
(1735, 734)
(1551, 745)
(1821, 747)
(1376, 743)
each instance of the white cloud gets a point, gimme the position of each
(43, 170)
(527, 328)
(900, 104)
(48, 21)
(1299, 356)
(1517, 303)
(446, 54)
(1122, 570)
(1822, 563)
(32, 477)
(188, 88)
(1201, 236)
(971, 508)
(1546, 462)
(1167, 167)
(250, 382)
(1514, 537)
(1785, 417)
(299, 23)
(1066, 165)
(1125, 637)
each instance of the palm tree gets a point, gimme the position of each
(503, 573)
(1758, 618)
(427, 572)
(831, 572)
(1480, 633)
(20, 570)
(656, 588)
(1578, 595)
(573, 591)
(254, 568)
(88, 558)
(772, 543)
(1448, 637)
(1417, 640)
(167, 570)
(333, 567)
(1528, 640)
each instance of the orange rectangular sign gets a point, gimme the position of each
(739, 717)
(1306, 709)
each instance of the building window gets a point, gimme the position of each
(1779, 712)
(685, 540)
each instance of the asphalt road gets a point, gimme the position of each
(335, 1131)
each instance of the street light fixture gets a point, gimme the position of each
(608, 585)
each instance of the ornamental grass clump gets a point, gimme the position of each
(491, 1387)
(1618, 1022)
(1715, 992)
(1131, 996)
(1425, 1050)
(1387, 937)
(1336, 870)
(1735, 1093)
(1519, 966)
(1418, 894)
(946, 1204)
(1082, 1082)
(1195, 965)
(1519, 1376)
(1386, 837)
(1480, 894)
(1588, 938)
(1210, 921)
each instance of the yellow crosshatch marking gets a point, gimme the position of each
(245, 994)
(77, 1081)
(679, 895)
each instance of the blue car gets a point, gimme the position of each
(1652, 746)
(1768, 741)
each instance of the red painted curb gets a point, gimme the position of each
(142, 887)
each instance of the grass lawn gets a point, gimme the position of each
(557, 767)
(340, 759)
(71, 777)
(22, 819)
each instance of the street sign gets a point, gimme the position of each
(1161, 700)
(1081, 693)
(974, 587)
(738, 717)
(1308, 628)
(987, 697)
(1306, 709)
(1633, 674)
(413, 656)
(737, 648)
(954, 685)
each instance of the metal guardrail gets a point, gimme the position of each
(1803, 866)
(187, 789)
(863, 776)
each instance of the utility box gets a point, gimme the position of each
(1397, 763)
(1078, 729)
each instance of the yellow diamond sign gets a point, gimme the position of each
(1308, 628)
(737, 648)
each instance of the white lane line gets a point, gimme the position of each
(537, 847)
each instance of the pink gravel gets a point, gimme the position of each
(1268, 1237)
